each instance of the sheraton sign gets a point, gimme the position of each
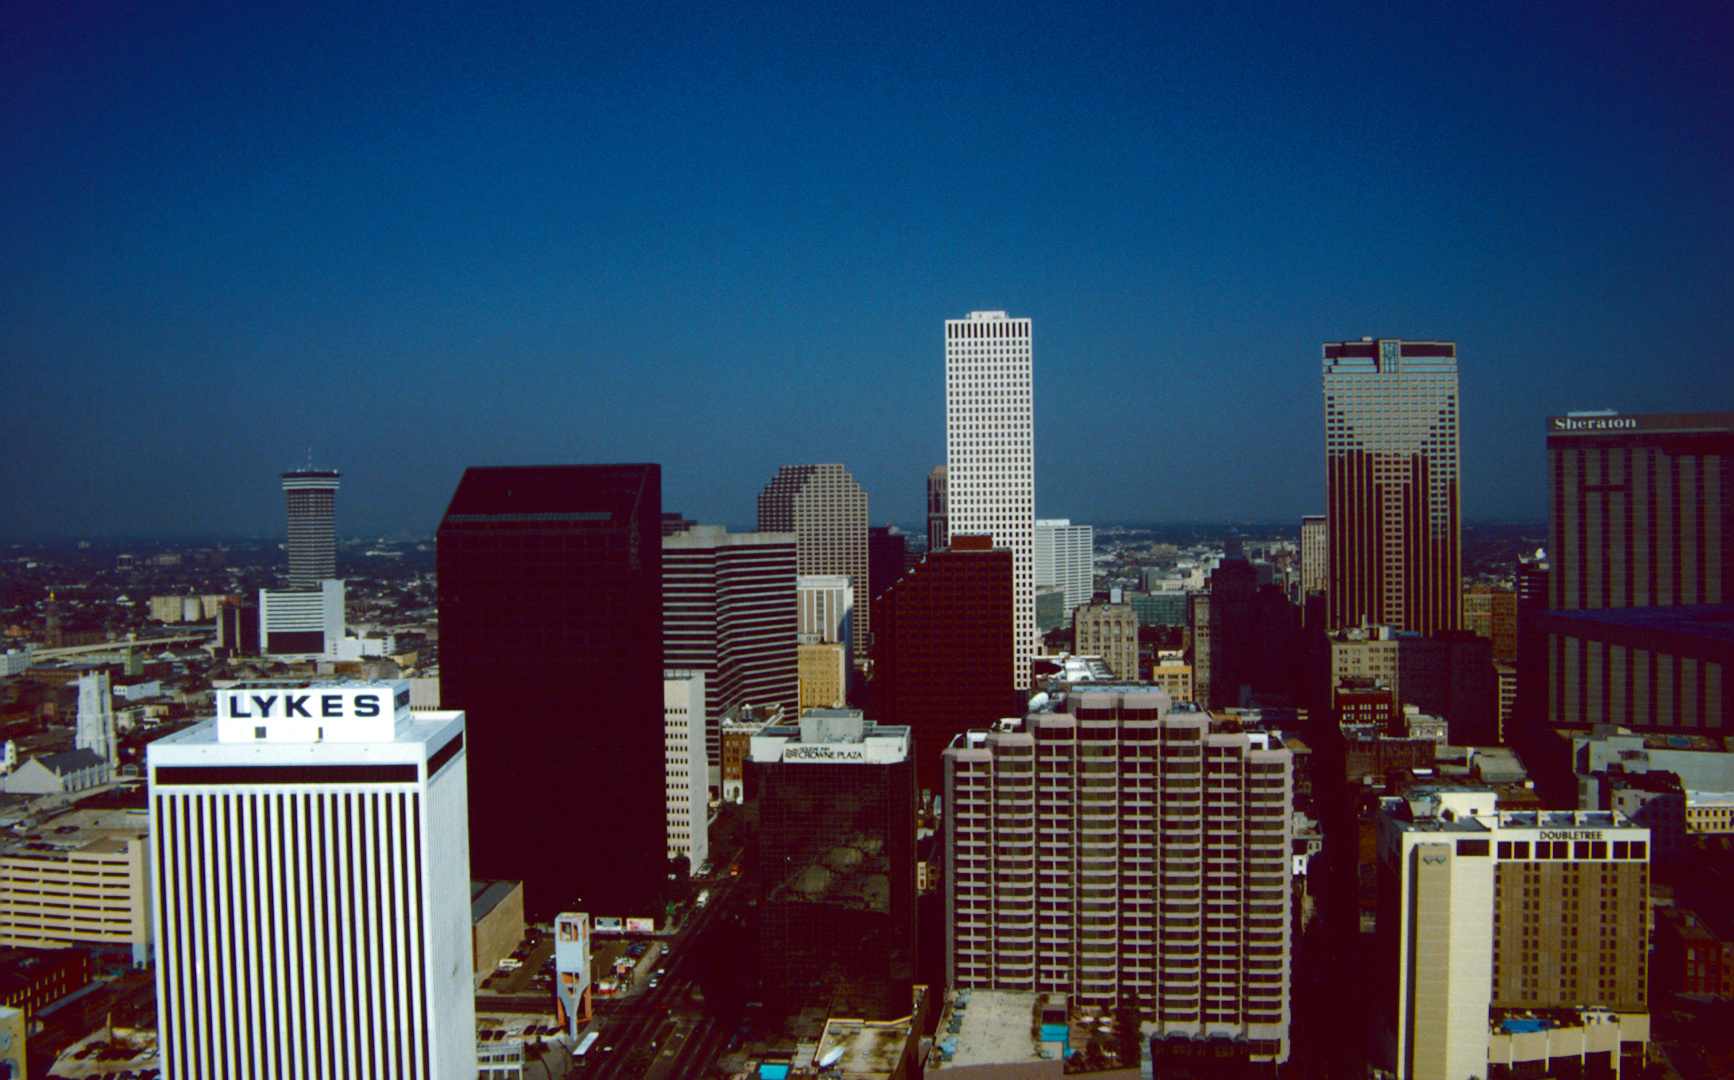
(1593, 423)
(1651, 424)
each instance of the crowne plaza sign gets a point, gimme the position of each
(823, 752)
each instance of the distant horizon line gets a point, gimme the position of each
(908, 528)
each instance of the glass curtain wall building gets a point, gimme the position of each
(1393, 529)
(550, 582)
(835, 801)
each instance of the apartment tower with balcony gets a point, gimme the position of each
(1126, 852)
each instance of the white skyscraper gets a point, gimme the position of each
(990, 456)
(311, 887)
(1066, 556)
(686, 775)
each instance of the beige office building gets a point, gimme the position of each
(1126, 852)
(1111, 632)
(1174, 676)
(1314, 553)
(827, 511)
(82, 880)
(824, 675)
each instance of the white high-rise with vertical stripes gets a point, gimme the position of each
(990, 456)
(311, 887)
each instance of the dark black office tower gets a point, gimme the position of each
(944, 634)
(887, 559)
(550, 585)
(834, 799)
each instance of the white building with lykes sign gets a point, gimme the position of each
(326, 823)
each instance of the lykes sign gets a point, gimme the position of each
(327, 706)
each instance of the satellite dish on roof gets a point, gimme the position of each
(832, 1056)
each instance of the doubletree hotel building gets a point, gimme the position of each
(1565, 949)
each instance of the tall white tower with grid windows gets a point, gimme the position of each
(989, 454)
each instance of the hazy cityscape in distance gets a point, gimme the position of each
(716, 543)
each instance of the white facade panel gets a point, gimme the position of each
(303, 613)
(1065, 556)
(686, 770)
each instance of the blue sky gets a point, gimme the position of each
(725, 238)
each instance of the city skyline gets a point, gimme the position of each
(234, 232)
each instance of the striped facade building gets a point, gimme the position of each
(1641, 546)
(728, 610)
(311, 888)
(312, 508)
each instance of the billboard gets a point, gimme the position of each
(603, 925)
(641, 926)
(572, 968)
(340, 712)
